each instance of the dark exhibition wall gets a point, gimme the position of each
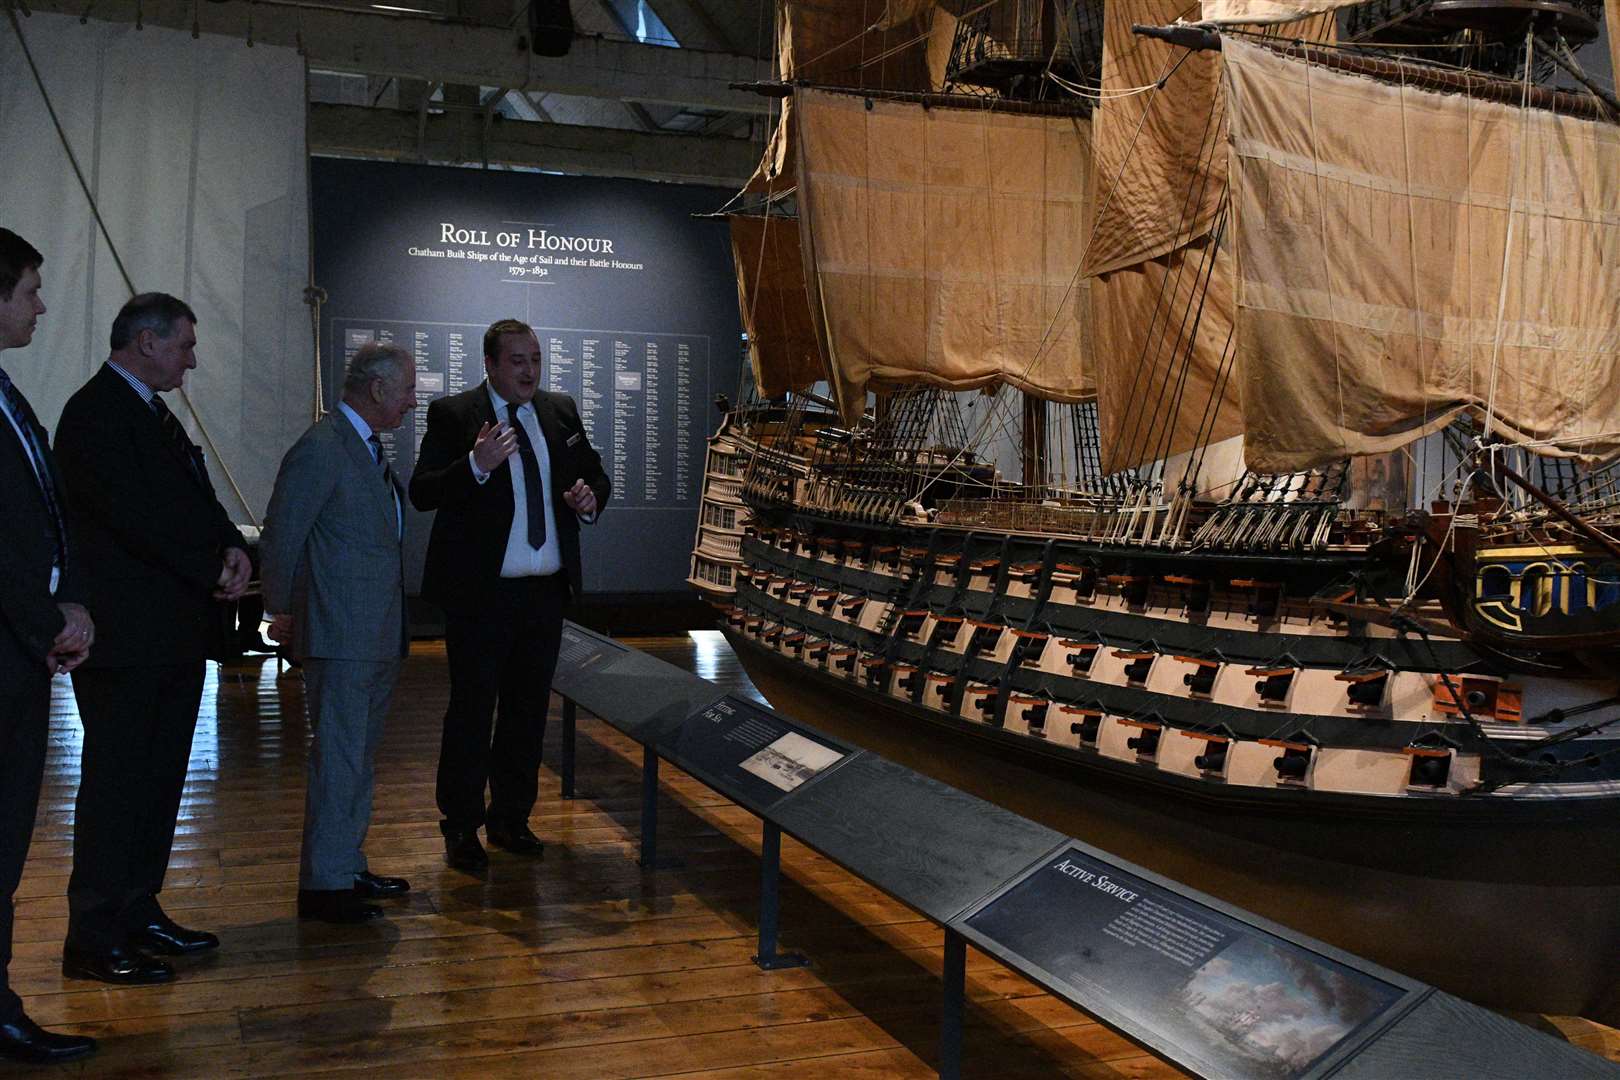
(633, 299)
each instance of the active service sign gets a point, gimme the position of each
(1213, 993)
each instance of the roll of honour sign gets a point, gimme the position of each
(526, 252)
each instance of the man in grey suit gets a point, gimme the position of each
(332, 576)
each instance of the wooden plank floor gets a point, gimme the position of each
(577, 966)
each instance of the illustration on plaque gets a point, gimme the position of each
(1275, 1012)
(790, 761)
(1234, 999)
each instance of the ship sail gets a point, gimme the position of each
(1405, 256)
(1268, 12)
(1161, 177)
(834, 43)
(776, 314)
(1162, 277)
(941, 244)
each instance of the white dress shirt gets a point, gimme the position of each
(146, 392)
(522, 560)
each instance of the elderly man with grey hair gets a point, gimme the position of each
(333, 581)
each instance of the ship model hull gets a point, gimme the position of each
(1221, 680)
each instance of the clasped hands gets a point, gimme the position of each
(72, 645)
(233, 575)
(497, 442)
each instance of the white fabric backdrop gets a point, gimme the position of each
(195, 152)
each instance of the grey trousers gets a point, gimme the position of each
(347, 701)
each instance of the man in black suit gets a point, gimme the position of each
(158, 551)
(511, 474)
(44, 630)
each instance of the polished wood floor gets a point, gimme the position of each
(578, 966)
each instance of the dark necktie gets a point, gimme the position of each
(178, 440)
(19, 408)
(531, 480)
(387, 474)
(380, 459)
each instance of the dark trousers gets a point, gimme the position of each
(138, 723)
(24, 712)
(505, 654)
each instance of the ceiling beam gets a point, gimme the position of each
(373, 43)
(692, 24)
(392, 135)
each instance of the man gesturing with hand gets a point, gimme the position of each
(511, 475)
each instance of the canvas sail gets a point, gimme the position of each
(1161, 329)
(1161, 291)
(1406, 255)
(903, 45)
(775, 311)
(941, 245)
(1266, 12)
(835, 43)
(1160, 163)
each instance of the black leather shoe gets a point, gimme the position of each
(23, 1040)
(463, 851)
(165, 937)
(371, 886)
(335, 906)
(516, 838)
(120, 965)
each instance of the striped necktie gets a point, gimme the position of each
(179, 441)
(34, 446)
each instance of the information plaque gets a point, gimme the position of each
(1213, 993)
(749, 753)
(581, 654)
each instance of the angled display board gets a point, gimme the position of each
(923, 842)
(751, 754)
(640, 695)
(633, 301)
(1207, 986)
(582, 654)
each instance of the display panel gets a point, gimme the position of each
(749, 753)
(1215, 993)
(581, 654)
(633, 301)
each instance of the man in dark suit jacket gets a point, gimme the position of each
(511, 474)
(44, 630)
(158, 551)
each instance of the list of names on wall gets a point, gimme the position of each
(640, 395)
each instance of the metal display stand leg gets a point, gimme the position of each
(570, 719)
(649, 815)
(770, 880)
(950, 1020)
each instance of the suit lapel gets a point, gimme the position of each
(552, 429)
(148, 425)
(22, 459)
(369, 471)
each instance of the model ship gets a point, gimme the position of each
(1221, 407)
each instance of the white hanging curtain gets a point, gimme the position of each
(194, 150)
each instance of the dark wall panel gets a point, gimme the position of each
(634, 302)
